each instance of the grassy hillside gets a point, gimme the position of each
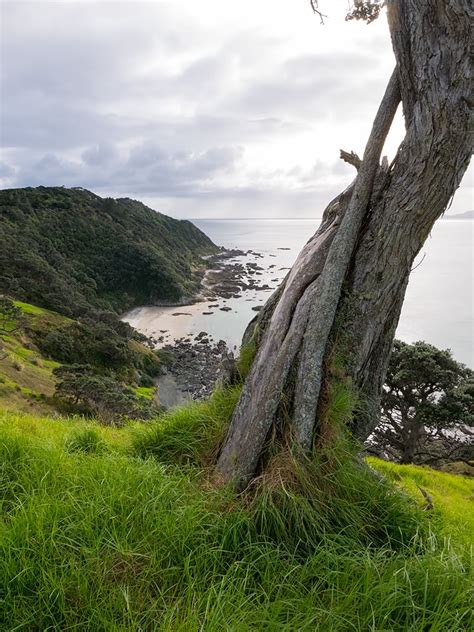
(47, 340)
(121, 529)
(71, 251)
(26, 376)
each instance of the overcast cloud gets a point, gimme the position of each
(200, 109)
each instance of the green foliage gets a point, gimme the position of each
(341, 401)
(10, 316)
(426, 392)
(246, 358)
(111, 542)
(366, 10)
(90, 342)
(72, 251)
(101, 342)
(10, 321)
(93, 394)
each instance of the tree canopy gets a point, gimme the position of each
(427, 406)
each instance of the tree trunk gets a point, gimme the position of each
(344, 295)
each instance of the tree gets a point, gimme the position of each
(333, 319)
(92, 393)
(427, 407)
(11, 319)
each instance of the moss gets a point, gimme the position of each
(246, 358)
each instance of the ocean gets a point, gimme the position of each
(438, 305)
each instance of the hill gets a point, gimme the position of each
(72, 251)
(100, 365)
(120, 529)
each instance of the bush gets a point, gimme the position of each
(91, 393)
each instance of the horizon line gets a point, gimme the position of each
(233, 219)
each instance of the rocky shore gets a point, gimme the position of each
(229, 278)
(194, 362)
(192, 367)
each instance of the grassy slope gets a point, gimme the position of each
(26, 376)
(108, 529)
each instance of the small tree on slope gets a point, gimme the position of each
(334, 317)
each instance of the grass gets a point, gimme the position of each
(453, 496)
(246, 357)
(119, 529)
(26, 377)
(147, 392)
(187, 435)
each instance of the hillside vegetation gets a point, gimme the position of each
(121, 529)
(71, 251)
(47, 349)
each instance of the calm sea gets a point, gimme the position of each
(438, 305)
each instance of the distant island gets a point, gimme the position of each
(466, 215)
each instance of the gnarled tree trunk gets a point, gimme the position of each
(345, 292)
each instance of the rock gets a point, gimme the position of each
(257, 308)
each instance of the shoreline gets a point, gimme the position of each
(200, 336)
(234, 278)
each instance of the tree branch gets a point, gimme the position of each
(314, 6)
(429, 500)
(350, 157)
(324, 304)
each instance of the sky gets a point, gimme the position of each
(201, 108)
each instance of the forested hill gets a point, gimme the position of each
(72, 251)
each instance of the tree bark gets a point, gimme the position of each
(349, 281)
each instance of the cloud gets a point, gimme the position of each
(245, 102)
(145, 168)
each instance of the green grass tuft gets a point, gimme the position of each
(189, 434)
(86, 440)
(246, 358)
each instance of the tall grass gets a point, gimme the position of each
(126, 540)
(190, 434)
